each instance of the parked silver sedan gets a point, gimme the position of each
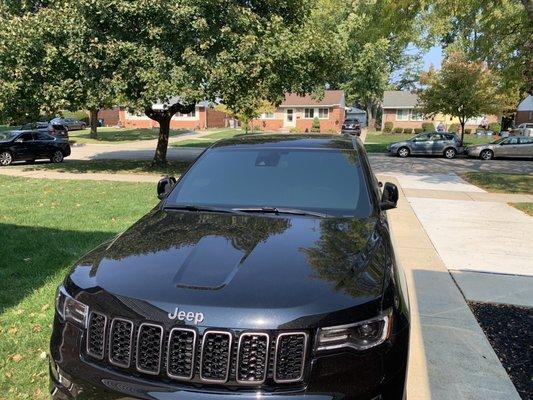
(513, 146)
(433, 143)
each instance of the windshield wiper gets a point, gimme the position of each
(199, 208)
(280, 210)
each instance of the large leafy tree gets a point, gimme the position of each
(372, 37)
(172, 52)
(498, 32)
(462, 88)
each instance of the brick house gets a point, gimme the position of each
(400, 108)
(204, 116)
(296, 113)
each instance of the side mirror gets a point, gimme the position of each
(389, 198)
(18, 141)
(164, 186)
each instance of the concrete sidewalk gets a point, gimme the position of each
(450, 356)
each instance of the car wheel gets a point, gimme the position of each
(57, 157)
(450, 153)
(486, 155)
(6, 158)
(403, 152)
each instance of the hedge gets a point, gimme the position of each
(418, 130)
(398, 130)
(428, 127)
(388, 127)
(408, 131)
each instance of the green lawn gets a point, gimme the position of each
(4, 128)
(108, 166)
(208, 140)
(45, 225)
(501, 183)
(525, 207)
(376, 142)
(117, 135)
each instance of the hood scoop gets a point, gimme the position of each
(210, 265)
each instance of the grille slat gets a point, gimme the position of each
(216, 356)
(290, 357)
(252, 358)
(183, 354)
(96, 329)
(149, 347)
(120, 342)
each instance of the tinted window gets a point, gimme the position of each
(511, 141)
(421, 138)
(42, 136)
(329, 181)
(7, 136)
(526, 140)
(25, 137)
(437, 136)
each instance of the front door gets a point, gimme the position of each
(290, 119)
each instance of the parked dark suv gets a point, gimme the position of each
(266, 271)
(351, 126)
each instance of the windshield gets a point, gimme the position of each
(7, 136)
(329, 181)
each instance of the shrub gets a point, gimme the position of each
(408, 131)
(388, 127)
(80, 115)
(495, 127)
(398, 130)
(454, 128)
(428, 127)
(418, 130)
(468, 131)
(377, 126)
(315, 128)
(294, 130)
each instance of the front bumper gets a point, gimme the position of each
(356, 132)
(472, 152)
(338, 376)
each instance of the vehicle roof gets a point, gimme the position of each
(301, 141)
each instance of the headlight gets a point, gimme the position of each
(358, 336)
(71, 309)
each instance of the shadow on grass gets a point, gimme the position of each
(110, 166)
(376, 147)
(31, 256)
(106, 135)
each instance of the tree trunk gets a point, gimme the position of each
(370, 121)
(462, 121)
(160, 156)
(93, 121)
(163, 117)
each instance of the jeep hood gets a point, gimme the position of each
(238, 270)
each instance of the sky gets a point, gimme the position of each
(433, 56)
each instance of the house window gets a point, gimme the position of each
(309, 113)
(416, 115)
(323, 113)
(402, 115)
(192, 114)
(267, 115)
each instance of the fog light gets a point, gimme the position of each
(359, 336)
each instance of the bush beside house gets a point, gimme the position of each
(388, 127)
(428, 127)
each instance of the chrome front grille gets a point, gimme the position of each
(186, 354)
(252, 358)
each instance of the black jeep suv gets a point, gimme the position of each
(266, 271)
